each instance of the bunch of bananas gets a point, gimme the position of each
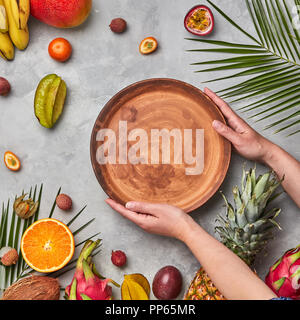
(14, 15)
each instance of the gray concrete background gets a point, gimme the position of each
(101, 65)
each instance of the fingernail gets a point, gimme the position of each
(129, 205)
(216, 124)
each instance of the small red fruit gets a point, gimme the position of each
(4, 87)
(118, 258)
(60, 49)
(118, 25)
(64, 202)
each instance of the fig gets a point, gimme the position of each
(4, 87)
(167, 283)
(199, 21)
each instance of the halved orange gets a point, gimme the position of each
(11, 161)
(47, 245)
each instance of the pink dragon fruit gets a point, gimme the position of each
(284, 276)
(87, 284)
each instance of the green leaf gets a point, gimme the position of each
(239, 65)
(283, 120)
(294, 133)
(239, 59)
(293, 105)
(230, 50)
(287, 29)
(262, 78)
(224, 43)
(232, 22)
(54, 203)
(276, 36)
(265, 90)
(261, 21)
(277, 106)
(249, 72)
(276, 82)
(289, 126)
(259, 33)
(296, 33)
(282, 32)
(273, 97)
(83, 227)
(77, 215)
(279, 78)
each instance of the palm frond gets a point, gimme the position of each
(272, 62)
(12, 228)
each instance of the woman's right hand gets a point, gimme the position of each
(247, 142)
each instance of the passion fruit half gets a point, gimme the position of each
(199, 21)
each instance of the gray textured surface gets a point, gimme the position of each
(102, 64)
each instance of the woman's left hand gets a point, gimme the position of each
(159, 219)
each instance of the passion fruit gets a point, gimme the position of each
(167, 283)
(199, 21)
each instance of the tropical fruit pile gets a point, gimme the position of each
(245, 230)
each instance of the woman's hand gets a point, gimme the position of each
(233, 278)
(247, 142)
(160, 219)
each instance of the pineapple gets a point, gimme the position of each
(202, 288)
(246, 228)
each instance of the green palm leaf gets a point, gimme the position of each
(272, 61)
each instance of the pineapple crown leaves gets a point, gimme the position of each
(248, 224)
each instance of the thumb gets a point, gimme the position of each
(226, 132)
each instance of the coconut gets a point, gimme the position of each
(33, 288)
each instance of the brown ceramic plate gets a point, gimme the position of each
(162, 104)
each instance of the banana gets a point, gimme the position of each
(3, 18)
(15, 12)
(20, 10)
(24, 9)
(7, 50)
(20, 37)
